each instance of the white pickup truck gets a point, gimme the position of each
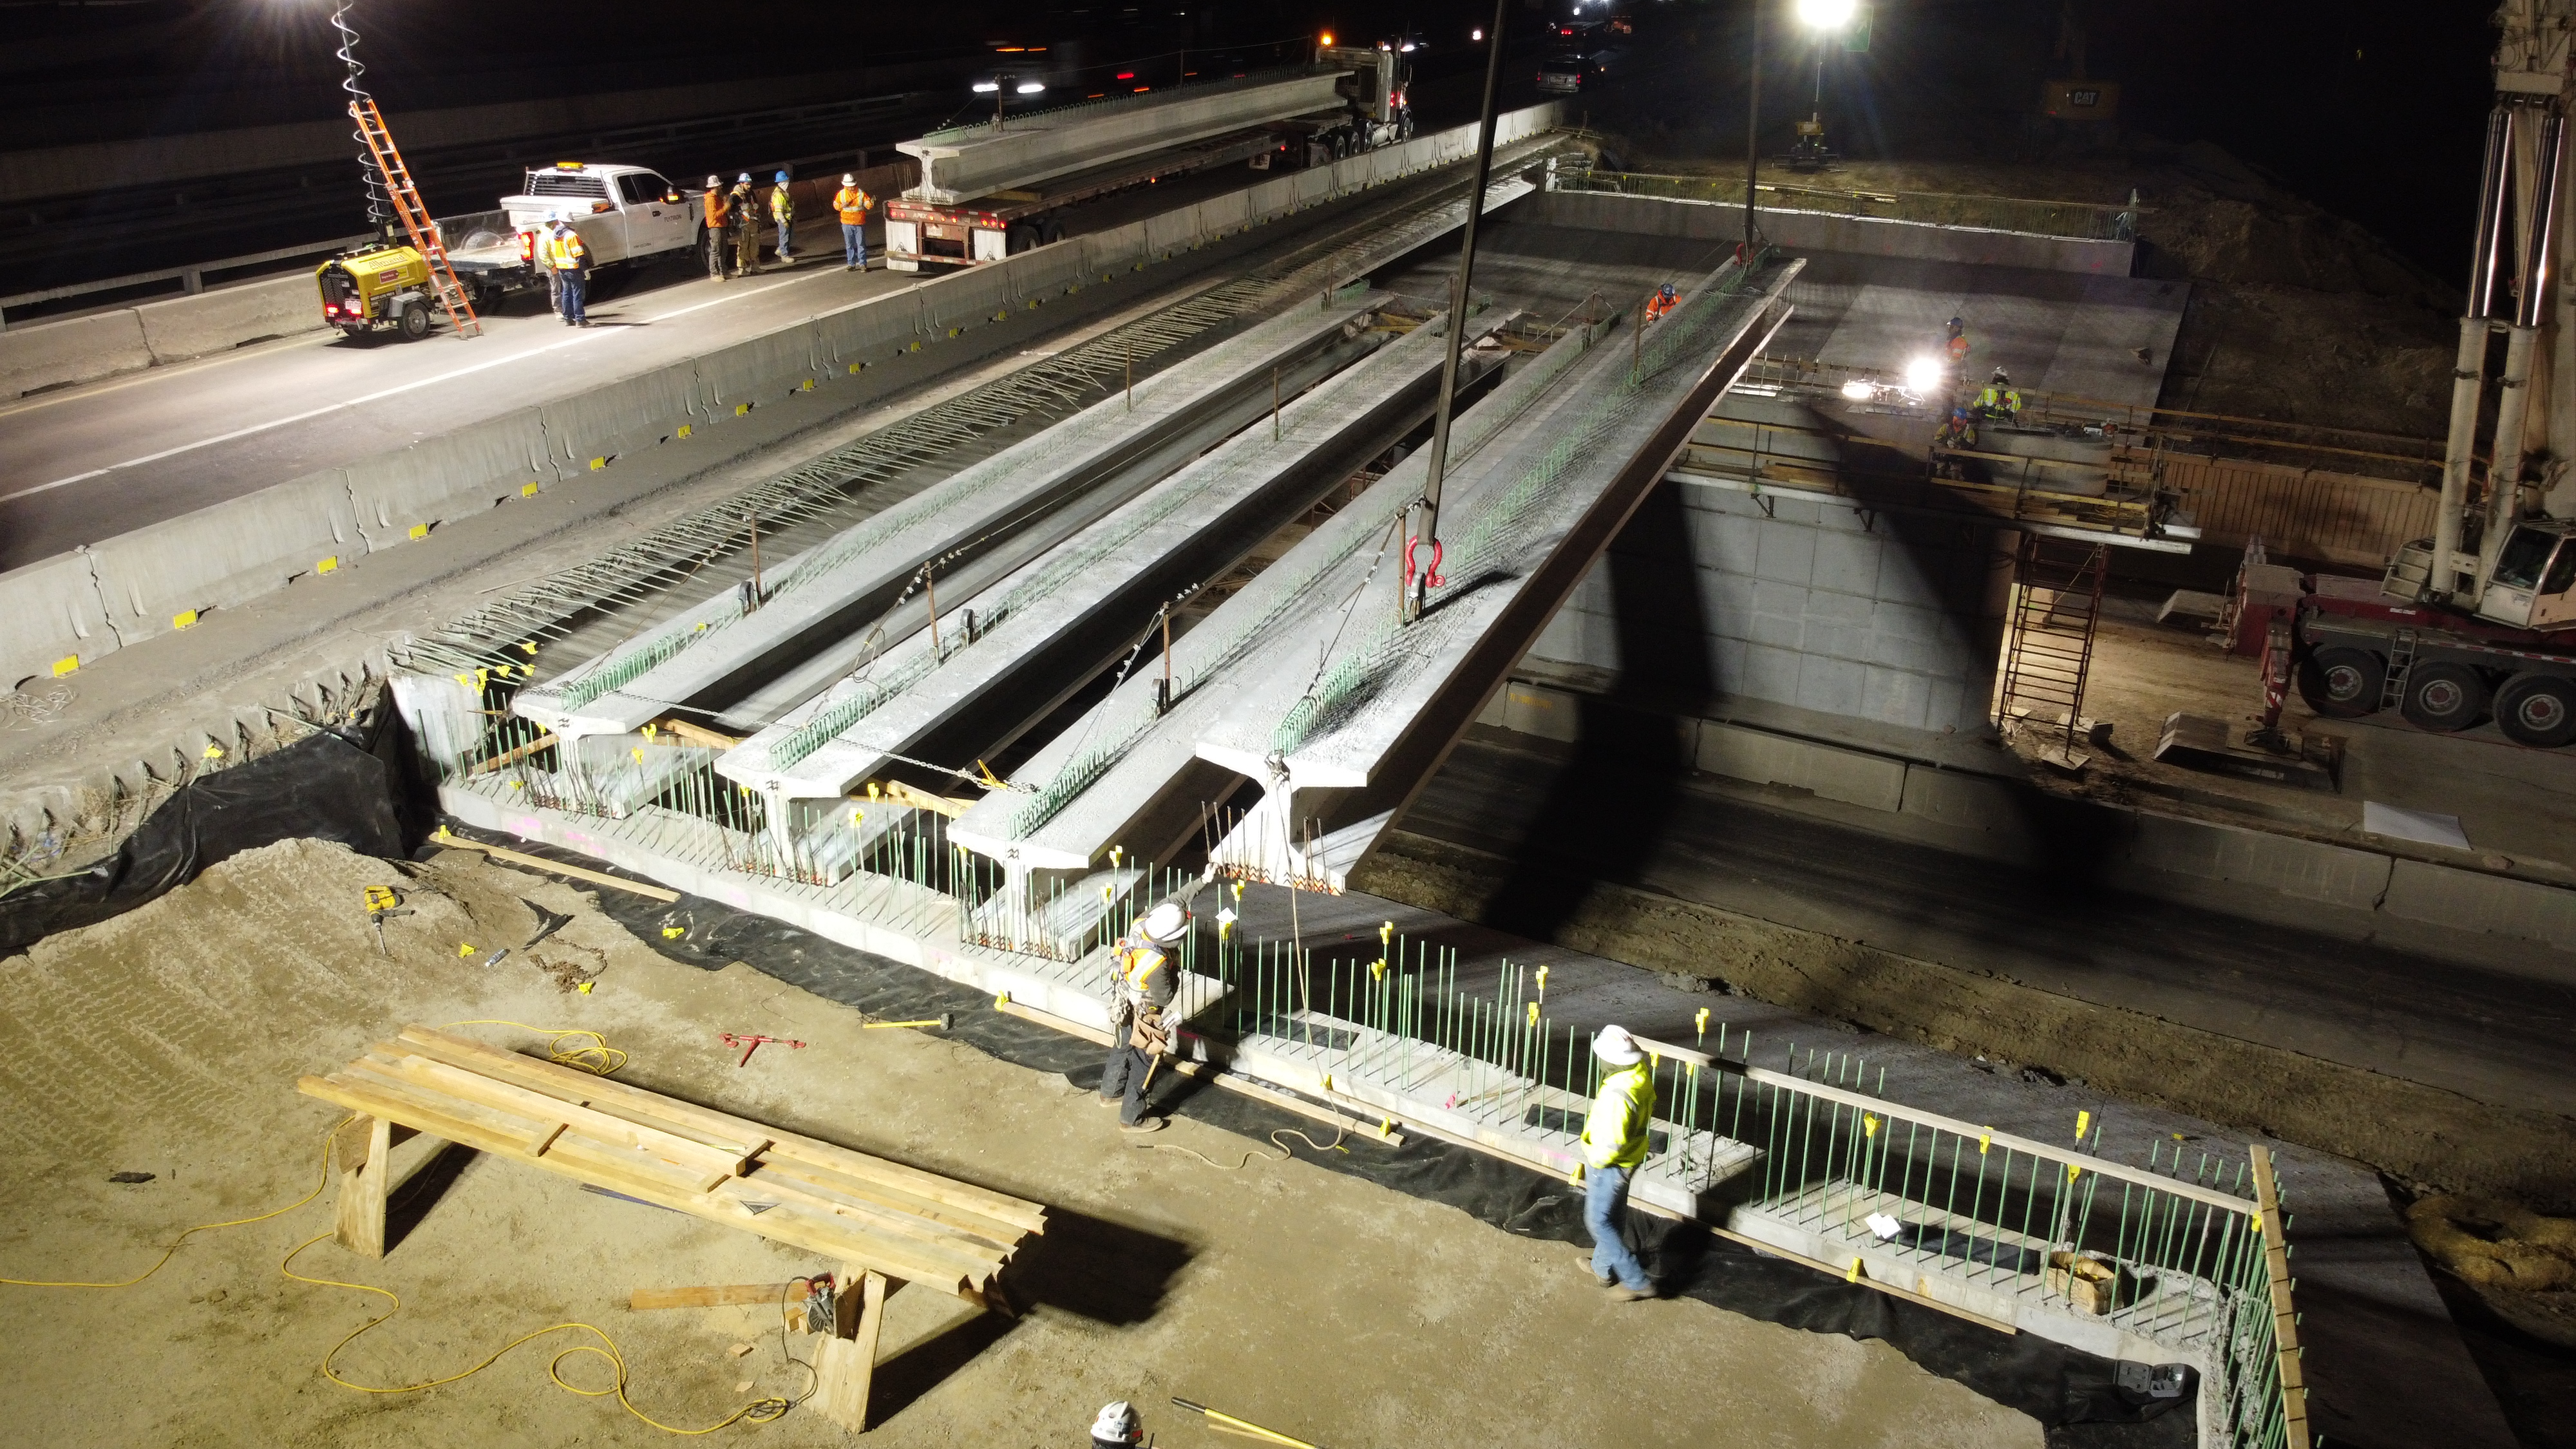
(625, 214)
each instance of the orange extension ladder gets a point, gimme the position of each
(415, 216)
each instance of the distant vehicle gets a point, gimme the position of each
(625, 215)
(1566, 72)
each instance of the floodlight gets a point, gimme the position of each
(1923, 374)
(1030, 88)
(1827, 14)
(986, 88)
(1858, 391)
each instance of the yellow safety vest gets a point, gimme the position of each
(781, 205)
(1614, 1132)
(565, 253)
(1139, 965)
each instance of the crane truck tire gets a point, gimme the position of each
(2444, 697)
(2538, 710)
(2342, 683)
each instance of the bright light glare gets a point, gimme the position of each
(986, 88)
(1030, 88)
(1406, 48)
(1923, 374)
(1827, 14)
(1857, 390)
(1477, 35)
(1328, 37)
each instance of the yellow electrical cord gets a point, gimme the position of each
(598, 1057)
(319, 1183)
(758, 1411)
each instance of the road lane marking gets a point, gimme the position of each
(381, 394)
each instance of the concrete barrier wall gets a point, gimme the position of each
(226, 554)
(130, 588)
(55, 618)
(81, 349)
(220, 321)
(455, 475)
(1821, 231)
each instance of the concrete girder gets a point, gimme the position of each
(1347, 746)
(965, 162)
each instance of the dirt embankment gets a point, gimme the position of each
(2417, 1132)
(168, 1042)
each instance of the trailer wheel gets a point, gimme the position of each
(1051, 233)
(2538, 710)
(2444, 697)
(2342, 683)
(1020, 238)
(414, 321)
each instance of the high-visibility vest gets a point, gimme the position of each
(1614, 1132)
(1959, 348)
(781, 205)
(1137, 965)
(564, 251)
(2004, 400)
(853, 204)
(1660, 304)
(717, 208)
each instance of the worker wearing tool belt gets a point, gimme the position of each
(1614, 1147)
(1148, 965)
(744, 209)
(782, 207)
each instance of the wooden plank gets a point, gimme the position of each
(808, 1177)
(479, 1128)
(800, 1225)
(535, 862)
(359, 1212)
(903, 794)
(595, 1156)
(1026, 1216)
(845, 1361)
(507, 759)
(2285, 1316)
(698, 734)
(933, 1237)
(676, 1150)
(572, 1084)
(733, 1295)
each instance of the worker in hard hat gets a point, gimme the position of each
(1116, 1426)
(719, 221)
(1147, 960)
(852, 202)
(568, 260)
(1958, 341)
(1614, 1147)
(1661, 303)
(782, 209)
(1999, 399)
(1959, 432)
(744, 209)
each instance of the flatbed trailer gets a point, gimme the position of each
(922, 234)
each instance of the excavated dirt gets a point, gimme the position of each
(2417, 1132)
(168, 1042)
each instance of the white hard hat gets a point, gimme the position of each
(715, 181)
(1116, 1424)
(849, 180)
(1165, 923)
(1614, 1047)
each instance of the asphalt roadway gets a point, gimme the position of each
(2499, 1031)
(88, 463)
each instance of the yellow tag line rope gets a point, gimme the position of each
(599, 1057)
(320, 1182)
(1227, 1423)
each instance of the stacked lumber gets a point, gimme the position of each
(883, 1216)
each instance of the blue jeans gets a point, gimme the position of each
(784, 228)
(854, 244)
(1605, 1216)
(572, 287)
(1124, 1077)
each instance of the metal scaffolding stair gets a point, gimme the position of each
(2048, 651)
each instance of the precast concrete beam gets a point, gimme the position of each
(1129, 772)
(730, 644)
(1007, 656)
(1343, 747)
(964, 162)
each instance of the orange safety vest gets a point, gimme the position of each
(565, 253)
(853, 203)
(716, 209)
(1659, 304)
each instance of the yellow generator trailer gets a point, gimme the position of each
(376, 288)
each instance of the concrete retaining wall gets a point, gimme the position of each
(1826, 232)
(55, 618)
(226, 554)
(80, 349)
(220, 321)
(396, 497)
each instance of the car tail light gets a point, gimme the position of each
(527, 246)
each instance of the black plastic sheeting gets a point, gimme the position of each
(331, 785)
(2075, 1394)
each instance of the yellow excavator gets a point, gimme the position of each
(384, 287)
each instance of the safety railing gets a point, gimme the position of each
(2086, 220)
